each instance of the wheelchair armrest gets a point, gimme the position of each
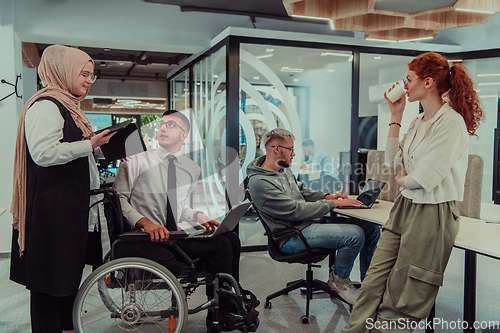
(178, 235)
(292, 230)
(136, 236)
(144, 236)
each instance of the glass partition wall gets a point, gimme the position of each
(331, 94)
(179, 91)
(306, 91)
(209, 124)
(486, 75)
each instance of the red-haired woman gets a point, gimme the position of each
(407, 268)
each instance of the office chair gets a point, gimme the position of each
(309, 257)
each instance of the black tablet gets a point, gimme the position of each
(116, 127)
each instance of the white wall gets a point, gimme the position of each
(366, 107)
(330, 108)
(10, 67)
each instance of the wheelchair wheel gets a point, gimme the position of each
(130, 294)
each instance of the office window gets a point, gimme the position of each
(179, 91)
(378, 72)
(486, 76)
(304, 90)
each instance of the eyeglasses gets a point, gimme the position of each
(170, 125)
(290, 149)
(88, 76)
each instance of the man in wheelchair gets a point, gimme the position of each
(154, 187)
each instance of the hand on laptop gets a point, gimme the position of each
(345, 202)
(342, 200)
(207, 222)
(336, 196)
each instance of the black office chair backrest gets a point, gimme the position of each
(304, 257)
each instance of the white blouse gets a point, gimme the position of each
(435, 156)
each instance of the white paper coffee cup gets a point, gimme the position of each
(395, 93)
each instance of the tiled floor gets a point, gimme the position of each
(263, 276)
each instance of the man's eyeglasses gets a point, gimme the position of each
(89, 77)
(170, 125)
(290, 149)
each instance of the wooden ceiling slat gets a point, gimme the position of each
(31, 55)
(487, 5)
(361, 15)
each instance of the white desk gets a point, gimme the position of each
(475, 236)
(378, 214)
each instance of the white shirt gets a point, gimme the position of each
(43, 126)
(435, 156)
(143, 181)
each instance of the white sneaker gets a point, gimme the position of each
(343, 287)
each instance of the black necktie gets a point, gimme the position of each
(171, 194)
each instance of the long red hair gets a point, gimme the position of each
(454, 84)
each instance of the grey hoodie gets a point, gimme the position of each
(283, 201)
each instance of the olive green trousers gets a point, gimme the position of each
(407, 267)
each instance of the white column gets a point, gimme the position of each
(10, 108)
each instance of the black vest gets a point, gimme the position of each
(57, 210)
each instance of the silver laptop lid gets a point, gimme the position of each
(232, 218)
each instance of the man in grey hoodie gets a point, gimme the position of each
(284, 202)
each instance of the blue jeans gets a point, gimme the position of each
(349, 237)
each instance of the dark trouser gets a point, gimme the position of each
(220, 254)
(51, 314)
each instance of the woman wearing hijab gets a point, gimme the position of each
(54, 171)
(407, 267)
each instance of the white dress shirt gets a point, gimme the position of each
(143, 181)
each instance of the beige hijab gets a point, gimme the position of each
(59, 69)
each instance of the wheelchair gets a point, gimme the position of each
(132, 293)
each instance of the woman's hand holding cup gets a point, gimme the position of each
(396, 100)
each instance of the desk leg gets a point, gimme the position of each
(430, 319)
(470, 290)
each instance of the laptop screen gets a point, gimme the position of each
(370, 191)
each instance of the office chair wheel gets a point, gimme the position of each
(268, 305)
(130, 294)
(304, 319)
(214, 329)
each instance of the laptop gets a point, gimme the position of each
(228, 223)
(368, 195)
